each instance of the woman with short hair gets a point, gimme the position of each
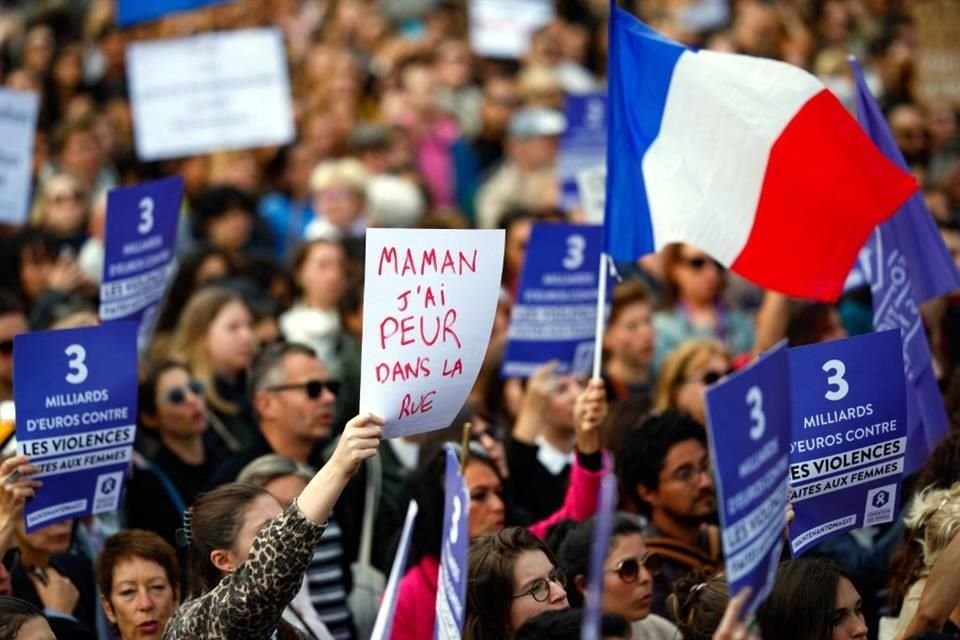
(139, 577)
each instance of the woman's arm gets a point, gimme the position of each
(589, 466)
(249, 602)
(16, 488)
(941, 593)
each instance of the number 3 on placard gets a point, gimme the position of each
(755, 402)
(842, 388)
(78, 370)
(146, 215)
(575, 246)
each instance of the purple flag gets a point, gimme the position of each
(906, 262)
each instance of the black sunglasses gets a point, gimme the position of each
(6, 347)
(314, 388)
(178, 395)
(710, 377)
(700, 262)
(628, 569)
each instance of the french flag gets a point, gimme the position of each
(752, 160)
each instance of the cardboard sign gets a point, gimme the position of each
(452, 583)
(503, 28)
(131, 12)
(555, 315)
(76, 395)
(937, 55)
(583, 146)
(749, 418)
(388, 606)
(139, 248)
(849, 428)
(429, 301)
(600, 546)
(211, 92)
(18, 121)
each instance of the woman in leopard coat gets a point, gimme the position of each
(248, 557)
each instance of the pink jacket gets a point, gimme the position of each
(415, 613)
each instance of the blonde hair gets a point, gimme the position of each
(691, 354)
(935, 517)
(191, 332)
(38, 212)
(348, 172)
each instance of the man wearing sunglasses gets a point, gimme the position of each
(294, 400)
(665, 468)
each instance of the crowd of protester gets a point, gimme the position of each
(255, 506)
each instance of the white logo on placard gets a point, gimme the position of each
(107, 495)
(879, 505)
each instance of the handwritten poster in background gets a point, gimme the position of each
(131, 12)
(429, 302)
(848, 435)
(504, 28)
(210, 92)
(555, 314)
(452, 582)
(749, 432)
(76, 395)
(583, 146)
(139, 250)
(18, 122)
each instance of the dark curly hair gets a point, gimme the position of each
(644, 451)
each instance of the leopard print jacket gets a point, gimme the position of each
(248, 603)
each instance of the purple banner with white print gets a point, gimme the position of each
(748, 426)
(848, 435)
(76, 398)
(555, 314)
(139, 250)
(583, 146)
(452, 583)
(593, 598)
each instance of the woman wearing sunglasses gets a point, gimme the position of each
(184, 453)
(687, 372)
(628, 572)
(692, 305)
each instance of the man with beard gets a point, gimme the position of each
(665, 469)
(295, 400)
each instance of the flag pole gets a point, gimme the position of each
(601, 309)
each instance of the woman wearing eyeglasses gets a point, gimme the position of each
(490, 509)
(687, 372)
(173, 410)
(627, 575)
(692, 305)
(513, 577)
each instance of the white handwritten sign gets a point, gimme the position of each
(209, 92)
(18, 120)
(429, 301)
